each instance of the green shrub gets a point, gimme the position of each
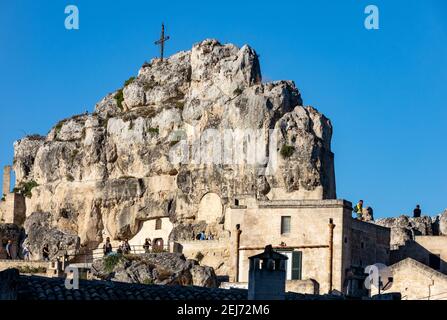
(69, 177)
(31, 270)
(287, 151)
(179, 104)
(111, 261)
(148, 281)
(58, 127)
(129, 81)
(4, 197)
(25, 188)
(237, 92)
(153, 130)
(119, 98)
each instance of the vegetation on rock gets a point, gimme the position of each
(25, 188)
(31, 270)
(119, 97)
(111, 261)
(287, 151)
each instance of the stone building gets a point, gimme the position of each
(429, 250)
(157, 230)
(12, 204)
(416, 281)
(320, 237)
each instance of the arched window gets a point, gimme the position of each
(158, 224)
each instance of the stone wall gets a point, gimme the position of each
(8, 264)
(296, 286)
(416, 281)
(213, 253)
(148, 230)
(420, 250)
(369, 244)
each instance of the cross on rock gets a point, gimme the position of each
(161, 41)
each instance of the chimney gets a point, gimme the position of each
(267, 276)
(6, 179)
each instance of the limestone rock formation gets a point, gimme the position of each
(155, 268)
(404, 228)
(443, 223)
(40, 231)
(104, 174)
(11, 232)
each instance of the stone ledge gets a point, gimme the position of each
(339, 203)
(233, 207)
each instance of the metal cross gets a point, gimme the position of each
(162, 41)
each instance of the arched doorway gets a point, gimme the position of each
(158, 245)
(210, 208)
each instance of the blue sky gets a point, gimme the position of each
(384, 90)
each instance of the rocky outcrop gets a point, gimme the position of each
(40, 231)
(442, 223)
(404, 228)
(107, 172)
(155, 268)
(11, 232)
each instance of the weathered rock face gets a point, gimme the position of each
(40, 231)
(11, 232)
(104, 173)
(443, 223)
(155, 268)
(404, 228)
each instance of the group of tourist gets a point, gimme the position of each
(26, 252)
(202, 236)
(124, 247)
(358, 209)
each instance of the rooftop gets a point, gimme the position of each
(42, 288)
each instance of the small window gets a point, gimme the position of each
(236, 202)
(297, 265)
(434, 261)
(362, 245)
(285, 225)
(158, 224)
(346, 239)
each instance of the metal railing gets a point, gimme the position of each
(96, 254)
(89, 256)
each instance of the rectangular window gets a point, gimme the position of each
(297, 257)
(158, 224)
(285, 225)
(293, 264)
(434, 261)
